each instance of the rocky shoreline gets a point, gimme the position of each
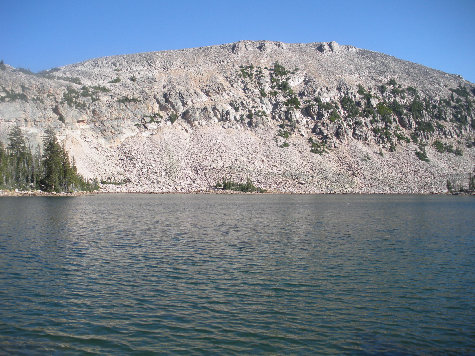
(10, 193)
(39, 193)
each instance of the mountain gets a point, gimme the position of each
(316, 117)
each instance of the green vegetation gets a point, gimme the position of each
(113, 182)
(392, 114)
(392, 82)
(234, 105)
(74, 98)
(317, 147)
(421, 153)
(283, 133)
(116, 80)
(461, 91)
(279, 70)
(173, 117)
(50, 172)
(246, 71)
(293, 102)
(11, 95)
(384, 112)
(125, 100)
(445, 147)
(334, 116)
(411, 90)
(74, 80)
(401, 137)
(383, 133)
(349, 105)
(425, 126)
(247, 187)
(100, 89)
(452, 188)
(397, 108)
(417, 109)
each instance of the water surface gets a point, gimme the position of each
(125, 274)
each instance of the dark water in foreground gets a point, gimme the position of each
(124, 274)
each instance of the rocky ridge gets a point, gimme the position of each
(310, 118)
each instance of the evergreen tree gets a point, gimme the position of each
(20, 160)
(51, 171)
(3, 165)
(53, 159)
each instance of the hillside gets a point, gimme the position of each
(317, 117)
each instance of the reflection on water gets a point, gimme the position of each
(237, 274)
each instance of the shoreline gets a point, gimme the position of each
(38, 193)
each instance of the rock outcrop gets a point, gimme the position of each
(317, 117)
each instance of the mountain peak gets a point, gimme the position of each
(301, 117)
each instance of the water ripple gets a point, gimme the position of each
(237, 274)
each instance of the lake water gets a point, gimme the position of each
(232, 274)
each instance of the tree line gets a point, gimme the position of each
(49, 170)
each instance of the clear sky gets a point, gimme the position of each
(42, 34)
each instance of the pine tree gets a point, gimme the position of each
(20, 160)
(51, 171)
(52, 163)
(3, 165)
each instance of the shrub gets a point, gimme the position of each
(293, 102)
(412, 91)
(125, 100)
(72, 97)
(11, 95)
(98, 88)
(417, 109)
(279, 70)
(401, 137)
(247, 187)
(116, 80)
(334, 116)
(423, 126)
(384, 112)
(317, 147)
(349, 106)
(173, 117)
(461, 91)
(392, 82)
(283, 133)
(421, 153)
(397, 108)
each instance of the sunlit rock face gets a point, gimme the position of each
(317, 117)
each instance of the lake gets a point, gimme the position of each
(233, 274)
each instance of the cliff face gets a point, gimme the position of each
(316, 117)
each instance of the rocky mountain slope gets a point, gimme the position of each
(317, 117)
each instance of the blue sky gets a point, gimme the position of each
(44, 34)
